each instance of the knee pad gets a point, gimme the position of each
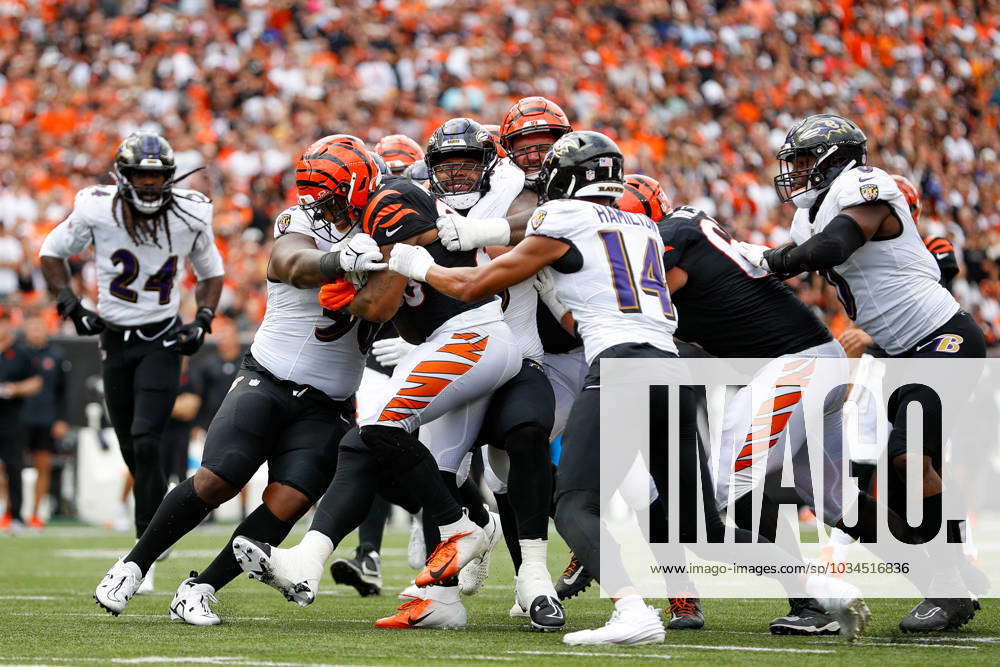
(393, 448)
(527, 439)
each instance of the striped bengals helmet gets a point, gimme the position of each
(531, 115)
(399, 152)
(494, 131)
(644, 195)
(911, 194)
(335, 177)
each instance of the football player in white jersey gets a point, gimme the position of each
(141, 231)
(290, 404)
(853, 225)
(588, 244)
(467, 174)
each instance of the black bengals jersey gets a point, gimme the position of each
(400, 210)
(728, 306)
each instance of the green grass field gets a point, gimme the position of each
(49, 618)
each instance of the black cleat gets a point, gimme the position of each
(573, 581)
(547, 614)
(805, 617)
(685, 614)
(363, 572)
(939, 615)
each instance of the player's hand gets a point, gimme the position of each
(389, 351)
(460, 233)
(412, 261)
(545, 285)
(191, 336)
(855, 341)
(755, 254)
(337, 295)
(86, 322)
(361, 254)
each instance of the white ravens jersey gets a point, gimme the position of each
(612, 280)
(889, 287)
(520, 301)
(137, 283)
(298, 342)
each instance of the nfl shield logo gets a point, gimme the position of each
(591, 175)
(869, 192)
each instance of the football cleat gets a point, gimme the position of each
(363, 572)
(118, 586)
(517, 611)
(192, 603)
(146, 587)
(536, 594)
(843, 602)
(451, 555)
(574, 580)
(473, 575)
(685, 614)
(439, 607)
(939, 614)
(295, 577)
(411, 591)
(628, 627)
(416, 550)
(805, 617)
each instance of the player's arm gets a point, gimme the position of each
(676, 279)
(382, 295)
(70, 237)
(473, 283)
(21, 388)
(296, 261)
(459, 233)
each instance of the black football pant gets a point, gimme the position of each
(141, 380)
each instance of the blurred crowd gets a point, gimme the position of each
(698, 94)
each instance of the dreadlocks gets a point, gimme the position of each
(146, 228)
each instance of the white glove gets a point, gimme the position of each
(545, 285)
(389, 351)
(754, 254)
(412, 261)
(361, 254)
(460, 233)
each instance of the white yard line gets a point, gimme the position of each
(589, 654)
(193, 660)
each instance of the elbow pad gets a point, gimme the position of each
(829, 248)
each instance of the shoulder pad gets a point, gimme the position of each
(292, 219)
(864, 184)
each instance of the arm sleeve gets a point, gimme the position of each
(70, 237)
(205, 257)
(825, 250)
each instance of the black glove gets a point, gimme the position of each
(87, 322)
(191, 336)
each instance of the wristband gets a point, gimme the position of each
(329, 265)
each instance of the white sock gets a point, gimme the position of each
(440, 593)
(463, 525)
(534, 551)
(631, 603)
(316, 545)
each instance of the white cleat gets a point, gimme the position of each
(842, 601)
(295, 576)
(517, 611)
(146, 587)
(411, 591)
(473, 576)
(438, 607)
(535, 593)
(416, 550)
(192, 603)
(627, 627)
(118, 586)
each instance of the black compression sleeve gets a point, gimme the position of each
(829, 248)
(329, 265)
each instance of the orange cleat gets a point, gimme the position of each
(5, 521)
(427, 612)
(443, 563)
(36, 523)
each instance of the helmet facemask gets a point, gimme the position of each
(460, 179)
(146, 199)
(530, 155)
(808, 172)
(331, 217)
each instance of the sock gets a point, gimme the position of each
(260, 525)
(180, 512)
(509, 525)
(316, 545)
(462, 525)
(350, 495)
(631, 603)
(439, 504)
(529, 480)
(534, 551)
(472, 499)
(371, 529)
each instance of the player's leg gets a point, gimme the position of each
(42, 447)
(12, 456)
(238, 441)
(364, 571)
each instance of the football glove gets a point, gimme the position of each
(755, 254)
(460, 233)
(545, 285)
(86, 322)
(361, 254)
(191, 336)
(412, 261)
(337, 295)
(389, 351)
